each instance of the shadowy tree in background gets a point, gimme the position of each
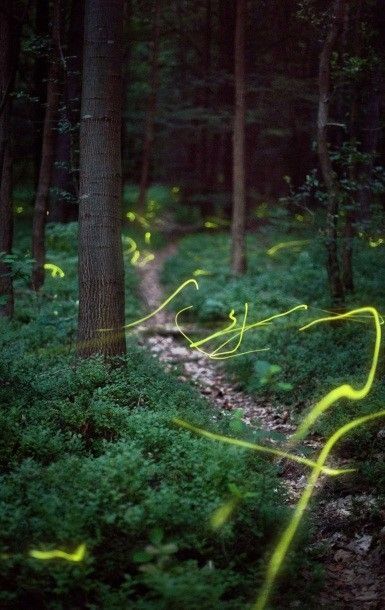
(65, 179)
(6, 214)
(47, 153)
(101, 272)
(238, 256)
(328, 173)
(151, 109)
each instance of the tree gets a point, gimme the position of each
(6, 224)
(151, 109)
(239, 197)
(101, 272)
(328, 173)
(47, 154)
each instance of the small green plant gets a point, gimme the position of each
(19, 265)
(267, 377)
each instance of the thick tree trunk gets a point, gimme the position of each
(238, 261)
(6, 216)
(47, 156)
(151, 110)
(101, 273)
(329, 176)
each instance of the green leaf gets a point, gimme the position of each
(141, 557)
(156, 536)
(286, 387)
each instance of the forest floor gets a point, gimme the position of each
(351, 554)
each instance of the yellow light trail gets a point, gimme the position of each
(77, 556)
(345, 390)
(55, 270)
(285, 245)
(261, 448)
(286, 539)
(158, 309)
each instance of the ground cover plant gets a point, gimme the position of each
(298, 368)
(89, 455)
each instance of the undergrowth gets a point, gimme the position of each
(299, 367)
(89, 454)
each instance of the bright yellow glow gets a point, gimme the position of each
(135, 257)
(55, 270)
(285, 540)
(210, 225)
(233, 330)
(132, 244)
(199, 272)
(261, 448)
(223, 513)
(299, 217)
(158, 309)
(76, 556)
(374, 243)
(345, 390)
(131, 216)
(19, 209)
(147, 237)
(175, 190)
(285, 245)
(147, 257)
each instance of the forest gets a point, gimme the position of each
(192, 301)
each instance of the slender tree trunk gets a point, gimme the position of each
(151, 110)
(101, 272)
(226, 93)
(239, 198)
(47, 156)
(40, 75)
(329, 176)
(6, 216)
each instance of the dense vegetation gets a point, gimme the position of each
(89, 454)
(245, 137)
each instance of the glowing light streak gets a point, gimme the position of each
(282, 547)
(77, 556)
(199, 272)
(55, 270)
(285, 245)
(261, 448)
(148, 256)
(232, 328)
(345, 390)
(135, 257)
(218, 333)
(147, 237)
(158, 309)
(223, 513)
(375, 243)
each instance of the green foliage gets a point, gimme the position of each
(300, 367)
(89, 454)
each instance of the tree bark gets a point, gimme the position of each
(6, 224)
(329, 176)
(151, 110)
(101, 272)
(239, 198)
(47, 155)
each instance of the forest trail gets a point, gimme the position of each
(354, 566)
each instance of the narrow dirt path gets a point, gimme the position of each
(353, 560)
